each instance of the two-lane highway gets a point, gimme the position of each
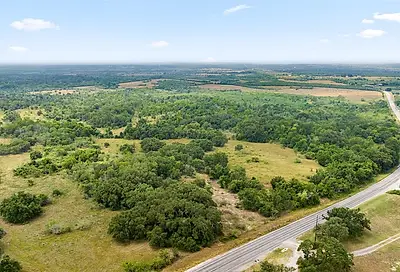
(243, 257)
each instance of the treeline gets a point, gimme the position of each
(27, 133)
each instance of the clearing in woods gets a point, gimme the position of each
(34, 114)
(139, 84)
(351, 95)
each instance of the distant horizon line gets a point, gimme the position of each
(194, 62)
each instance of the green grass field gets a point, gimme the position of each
(33, 114)
(273, 161)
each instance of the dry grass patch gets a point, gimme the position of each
(352, 95)
(55, 92)
(114, 144)
(139, 84)
(87, 247)
(33, 114)
(385, 259)
(5, 140)
(235, 221)
(316, 81)
(273, 161)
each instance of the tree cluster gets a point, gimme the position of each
(22, 207)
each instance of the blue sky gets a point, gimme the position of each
(264, 31)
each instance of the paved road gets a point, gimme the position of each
(243, 257)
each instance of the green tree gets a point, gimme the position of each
(21, 207)
(334, 227)
(151, 144)
(327, 255)
(355, 221)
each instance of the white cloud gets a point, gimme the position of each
(367, 21)
(387, 16)
(209, 59)
(324, 41)
(18, 48)
(235, 9)
(371, 33)
(159, 44)
(344, 35)
(30, 24)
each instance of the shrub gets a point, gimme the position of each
(106, 144)
(127, 148)
(56, 229)
(2, 233)
(394, 192)
(34, 155)
(22, 207)
(9, 265)
(164, 258)
(238, 147)
(57, 192)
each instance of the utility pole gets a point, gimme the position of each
(316, 230)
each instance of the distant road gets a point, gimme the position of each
(243, 257)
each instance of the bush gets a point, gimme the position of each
(57, 193)
(164, 258)
(2, 233)
(127, 148)
(22, 207)
(238, 147)
(34, 155)
(269, 267)
(56, 229)
(394, 192)
(9, 265)
(106, 144)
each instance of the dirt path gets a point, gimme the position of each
(371, 249)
